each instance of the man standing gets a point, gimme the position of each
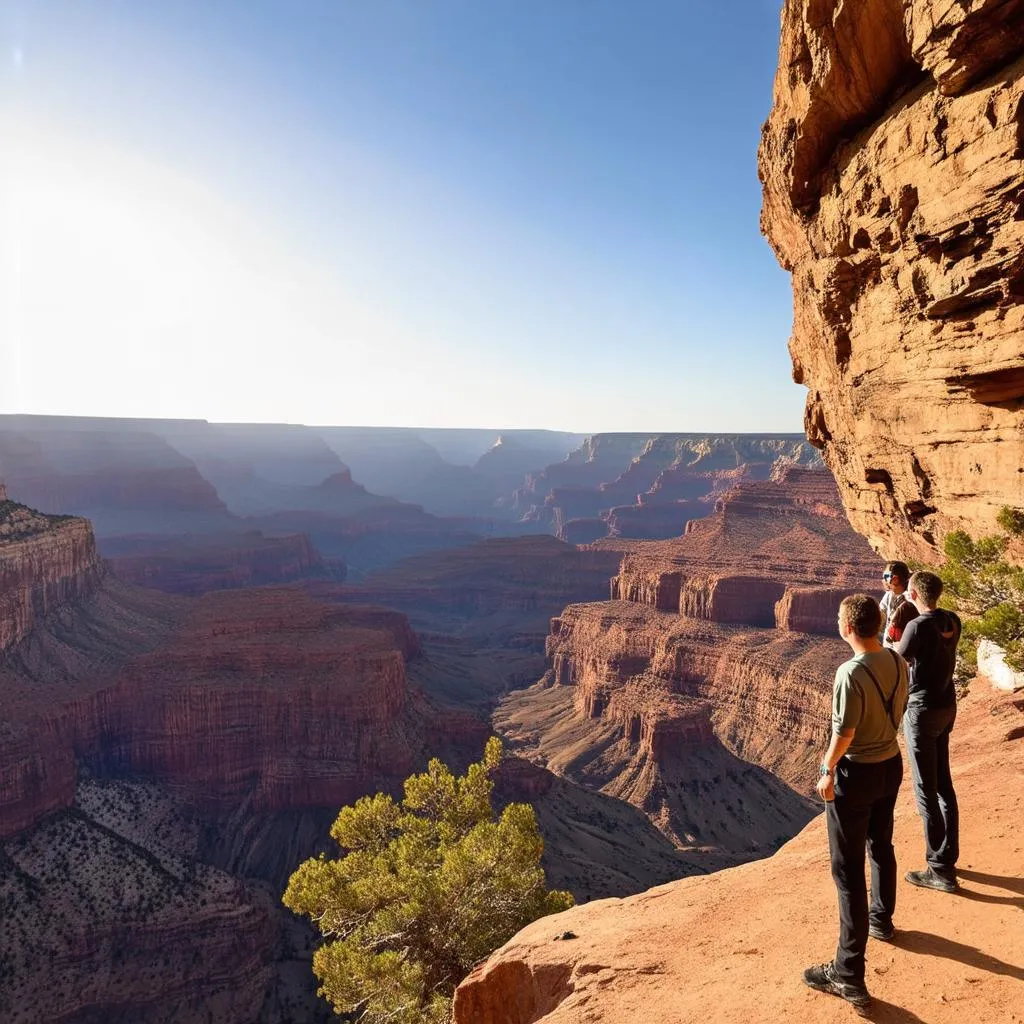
(860, 778)
(929, 645)
(896, 608)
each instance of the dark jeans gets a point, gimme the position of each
(861, 817)
(927, 734)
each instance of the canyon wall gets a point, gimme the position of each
(264, 697)
(195, 565)
(892, 164)
(45, 562)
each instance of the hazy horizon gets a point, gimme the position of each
(542, 214)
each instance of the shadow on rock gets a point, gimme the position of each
(938, 945)
(1009, 882)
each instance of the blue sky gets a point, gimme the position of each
(507, 213)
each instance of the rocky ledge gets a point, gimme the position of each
(731, 946)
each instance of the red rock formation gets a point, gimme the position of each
(809, 609)
(703, 654)
(731, 946)
(654, 519)
(892, 165)
(764, 692)
(195, 565)
(735, 565)
(45, 562)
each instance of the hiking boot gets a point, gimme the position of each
(823, 979)
(884, 933)
(928, 879)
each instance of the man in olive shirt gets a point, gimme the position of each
(859, 780)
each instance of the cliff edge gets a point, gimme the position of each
(731, 946)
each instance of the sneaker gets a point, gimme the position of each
(885, 933)
(928, 879)
(823, 979)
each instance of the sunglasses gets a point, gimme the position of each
(886, 575)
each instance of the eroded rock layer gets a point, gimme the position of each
(45, 563)
(636, 485)
(189, 565)
(775, 553)
(893, 172)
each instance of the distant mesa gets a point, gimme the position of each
(644, 486)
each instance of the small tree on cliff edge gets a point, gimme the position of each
(430, 886)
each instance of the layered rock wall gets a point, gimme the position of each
(45, 562)
(892, 165)
(764, 692)
(264, 698)
(183, 565)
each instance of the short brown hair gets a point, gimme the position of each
(899, 569)
(862, 612)
(928, 587)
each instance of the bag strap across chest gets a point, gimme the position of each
(887, 703)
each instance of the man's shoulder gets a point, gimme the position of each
(846, 672)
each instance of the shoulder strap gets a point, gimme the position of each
(886, 703)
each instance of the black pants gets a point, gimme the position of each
(860, 818)
(927, 734)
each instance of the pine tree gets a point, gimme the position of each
(428, 888)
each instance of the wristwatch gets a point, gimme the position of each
(825, 770)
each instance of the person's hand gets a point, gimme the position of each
(826, 788)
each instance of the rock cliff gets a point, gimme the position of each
(305, 705)
(119, 474)
(892, 166)
(252, 714)
(768, 544)
(45, 562)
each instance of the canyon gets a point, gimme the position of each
(637, 485)
(183, 718)
(715, 646)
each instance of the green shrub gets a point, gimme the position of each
(429, 887)
(987, 591)
(1011, 520)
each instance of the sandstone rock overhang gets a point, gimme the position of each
(893, 171)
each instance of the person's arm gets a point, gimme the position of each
(907, 648)
(837, 747)
(847, 708)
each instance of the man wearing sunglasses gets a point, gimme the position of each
(897, 611)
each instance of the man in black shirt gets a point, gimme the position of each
(929, 644)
